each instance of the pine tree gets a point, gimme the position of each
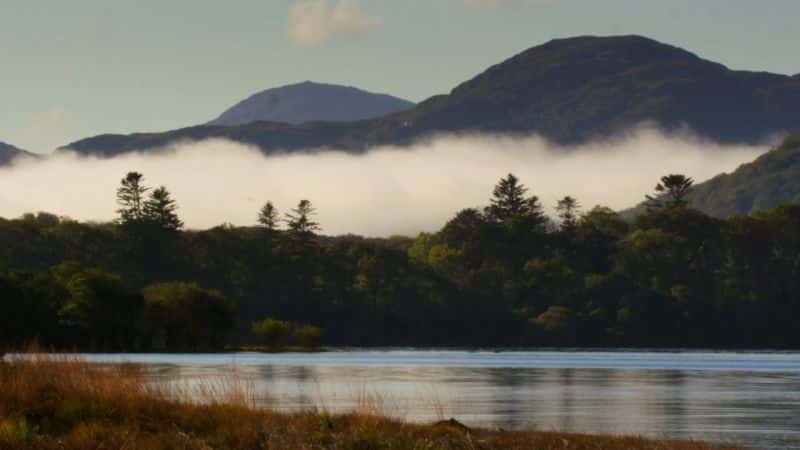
(508, 200)
(160, 209)
(510, 204)
(268, 217)
(671, 192)
(300, 223)
(130, 198)
(567, 210)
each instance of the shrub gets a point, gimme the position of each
(278, 334)
(308, 336)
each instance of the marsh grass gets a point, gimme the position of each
(235, 388)
(60, 402)
(370, 402)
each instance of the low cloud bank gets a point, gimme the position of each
(384, 192)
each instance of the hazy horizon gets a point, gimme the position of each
(386, 191)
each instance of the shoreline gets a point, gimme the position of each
(66, 403)
(345, 349)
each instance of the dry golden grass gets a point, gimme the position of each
(51, 402)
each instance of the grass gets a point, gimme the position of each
(54, 402)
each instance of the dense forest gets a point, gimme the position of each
(503, 275)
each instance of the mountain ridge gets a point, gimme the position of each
(9, 152)
(569, 91)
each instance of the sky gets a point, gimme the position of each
(73, 69)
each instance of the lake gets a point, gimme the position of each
(751, 398)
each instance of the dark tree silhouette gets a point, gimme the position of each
(508, 200)
(567, 210)
(160, 209)
(671, 192)
(300, 223)
(130, 198)
(510, 205)
(268, 217)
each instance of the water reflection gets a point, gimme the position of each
(753, 399)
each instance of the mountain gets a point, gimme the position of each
(770, 180)
(311, 102)
(9, 152)
(568, 90)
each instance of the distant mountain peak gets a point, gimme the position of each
(615, 41)
(310, 101)
(569, 91)
(583, 59)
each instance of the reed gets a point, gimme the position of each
(61, 402)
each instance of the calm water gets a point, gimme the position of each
(748, 398)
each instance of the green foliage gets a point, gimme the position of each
(308, 336)
(98, 306)
(71, 305)
(671, 192)
(509, 203)
(419, 249)
(273, 333)
(186, 316)
(674, 277)
(277, 334)
(769, 181)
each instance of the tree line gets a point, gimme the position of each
(506, 274)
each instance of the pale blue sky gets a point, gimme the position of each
(71, 69)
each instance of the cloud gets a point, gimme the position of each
(313, 22)
(489, 4)
(386, 191)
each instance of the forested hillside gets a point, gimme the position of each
(505, 275)
(770, 180)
